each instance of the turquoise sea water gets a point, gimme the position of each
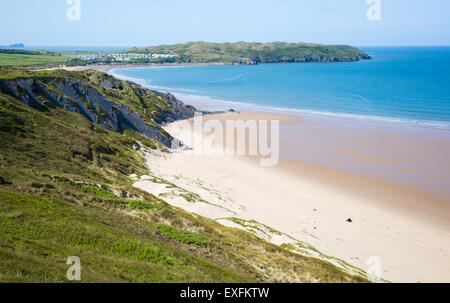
(400, 85)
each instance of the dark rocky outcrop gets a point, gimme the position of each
(181, 110)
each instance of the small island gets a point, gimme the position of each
(15, 45)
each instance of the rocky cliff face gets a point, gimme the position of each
(101, 102)
(181, 111)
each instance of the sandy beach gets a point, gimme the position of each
(305, 205)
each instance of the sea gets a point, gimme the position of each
(400, 85)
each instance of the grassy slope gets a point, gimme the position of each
(140, 100)
(243, 52)
(57, 174)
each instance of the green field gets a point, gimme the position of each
(24, 58)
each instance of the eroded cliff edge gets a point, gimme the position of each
(114, 104)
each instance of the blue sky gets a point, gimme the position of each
(153, 22)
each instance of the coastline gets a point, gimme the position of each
(209, 103)
(205, 102)
(402, 225)
(201, 101)
(309, 204)
(407, 155)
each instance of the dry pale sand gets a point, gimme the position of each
(308, 205)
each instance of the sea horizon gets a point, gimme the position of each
(102, 47)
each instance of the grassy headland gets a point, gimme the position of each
(253, 53)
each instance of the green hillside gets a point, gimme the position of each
(252, 53)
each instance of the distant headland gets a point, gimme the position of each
(253, 53)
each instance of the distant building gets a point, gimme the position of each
(120, 57)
